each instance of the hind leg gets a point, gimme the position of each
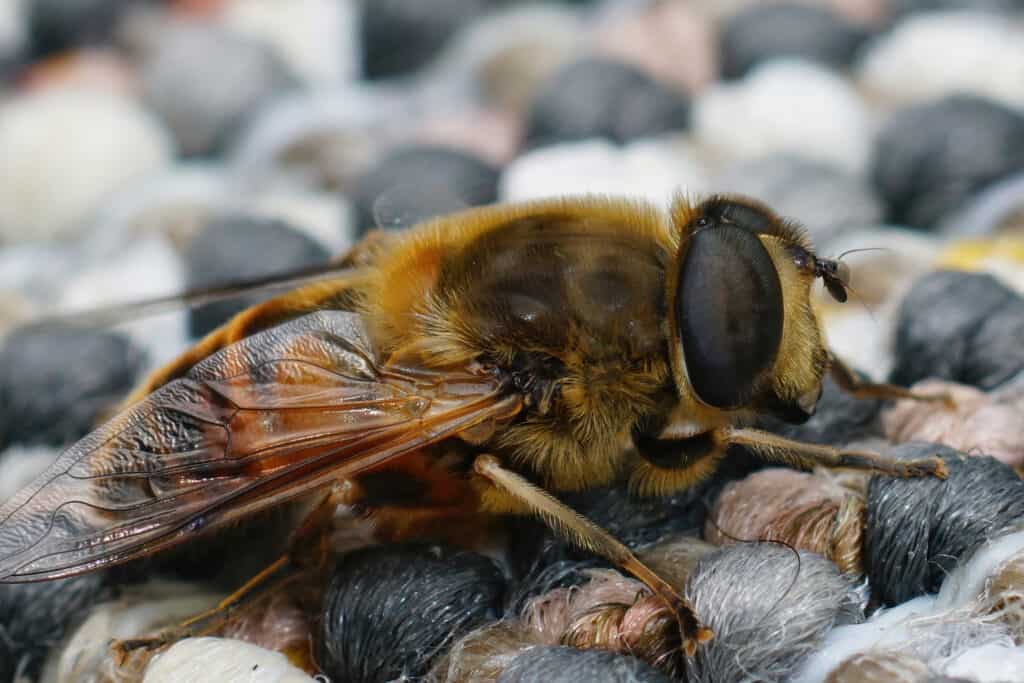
(307, 555)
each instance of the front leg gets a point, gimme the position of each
(847, 380)
(772, 448)
(687, 460)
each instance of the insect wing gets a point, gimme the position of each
(280, 413)
(117, 313)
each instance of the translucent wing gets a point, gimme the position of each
(270, 284)
(280, 413)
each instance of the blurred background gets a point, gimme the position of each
(149, 147)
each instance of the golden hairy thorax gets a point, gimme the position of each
(569, 296)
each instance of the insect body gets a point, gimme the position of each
(466, 368)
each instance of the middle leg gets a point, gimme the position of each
(582, 532)
(673, 459)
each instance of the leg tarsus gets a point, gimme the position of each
(691, 632)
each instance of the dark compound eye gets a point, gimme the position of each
(729, 314)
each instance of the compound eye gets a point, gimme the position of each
(729, 314)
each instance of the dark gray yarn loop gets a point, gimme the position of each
(35, 616)
(56, 381)
(390, 610)
(964, 327)
(918, 530)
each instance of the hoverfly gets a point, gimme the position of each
(465, 369)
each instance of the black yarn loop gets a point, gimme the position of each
(390, 610)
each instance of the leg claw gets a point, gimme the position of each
(924, 467)
(693, 635)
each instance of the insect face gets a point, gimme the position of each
(747, 338)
